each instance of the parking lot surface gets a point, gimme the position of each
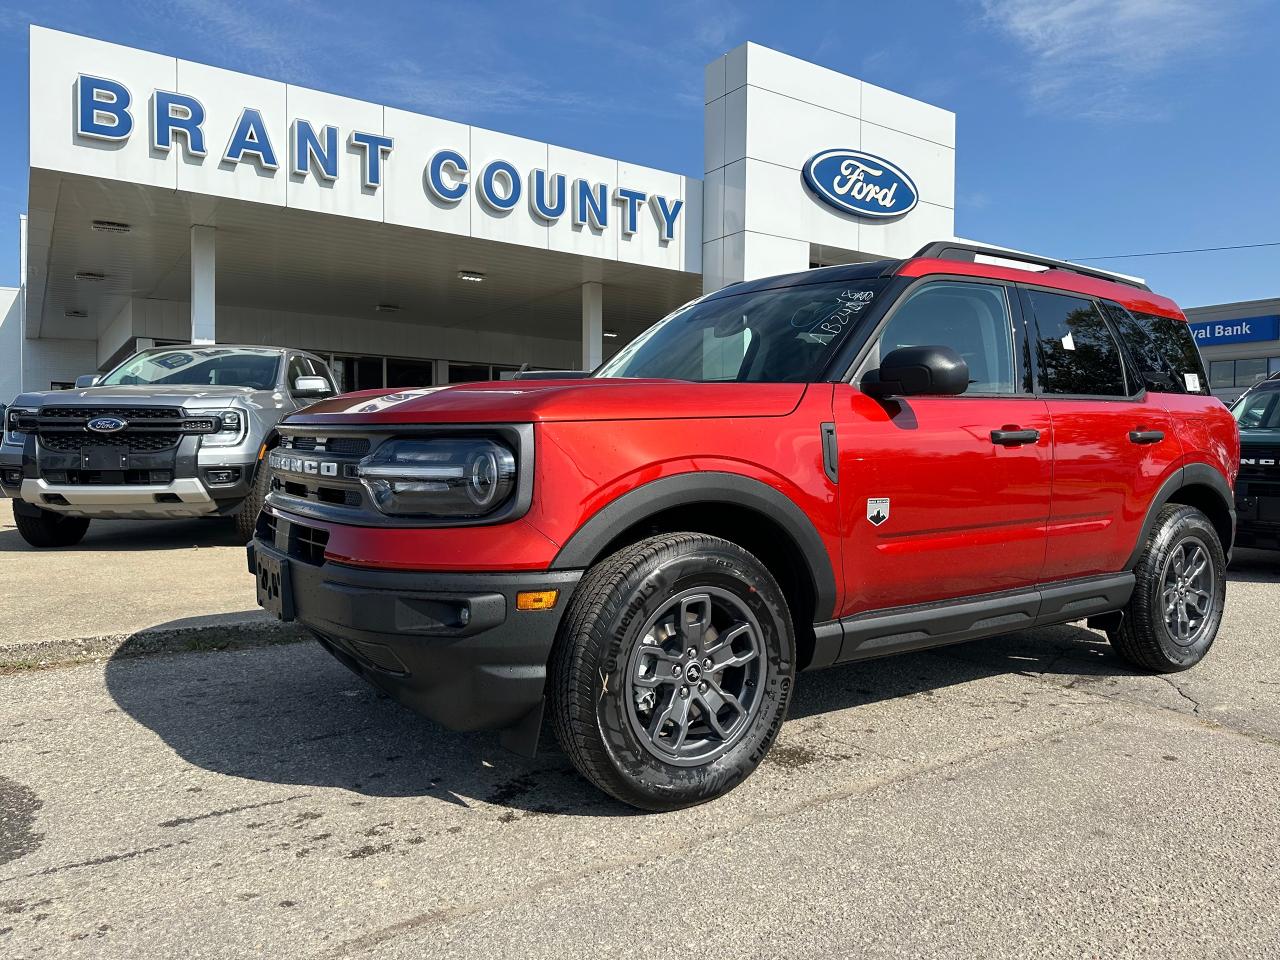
(1027, 796)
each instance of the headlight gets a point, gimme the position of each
(17, 421)
(445, 477)
(233, 425)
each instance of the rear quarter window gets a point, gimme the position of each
(1163, 349)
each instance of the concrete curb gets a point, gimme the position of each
(230, 634)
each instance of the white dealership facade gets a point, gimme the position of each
(174, 202)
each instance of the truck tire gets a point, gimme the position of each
(1173, 616)
(44, 528)
(247, 516)
(672, 671)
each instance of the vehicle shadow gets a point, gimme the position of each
(115, 535)
(1254, 566)
(293, 715)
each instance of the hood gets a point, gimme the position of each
(1268, 438)
(533, 401)
(159, 395)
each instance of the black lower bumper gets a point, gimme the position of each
(452, 646)
(1258, 521)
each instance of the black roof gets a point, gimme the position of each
(843, 271)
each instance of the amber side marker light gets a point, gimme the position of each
(537, 599)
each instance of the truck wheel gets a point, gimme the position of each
(44, 528)
(1173, 616)
(247, 516)
(672, 671)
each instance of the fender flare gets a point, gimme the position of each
(688, 489)
(1192, 474)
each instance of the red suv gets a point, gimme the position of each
(783, 475)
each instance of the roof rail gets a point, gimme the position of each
(964, 250)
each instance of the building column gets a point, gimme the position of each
(203, 275)
(592, 325)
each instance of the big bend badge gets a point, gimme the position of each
(877, 510)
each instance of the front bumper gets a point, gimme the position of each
(451, 646)
(1258, 522)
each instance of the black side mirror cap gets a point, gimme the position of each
(928, 371)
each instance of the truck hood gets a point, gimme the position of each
(165, 395)
(532, 401)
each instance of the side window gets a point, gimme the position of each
(298, 367)
(1078, 355)
(971, 318)
(1163, 349)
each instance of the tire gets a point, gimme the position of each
(1173, 616)
(610, 690)
(44, 528)
(247, 516)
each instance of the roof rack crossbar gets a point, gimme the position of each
(959, 250)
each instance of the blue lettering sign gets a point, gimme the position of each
(590, 205)
(631, 199)
(250, 140)
(309, 153)
(102, 109)
(509, 196)
(452, 164)
(548, 208)
(375, 149)
(1237, 330)
(666, 212)
(860, 183)
(177, 113)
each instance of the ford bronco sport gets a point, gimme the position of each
(786, 474)
(170, 432)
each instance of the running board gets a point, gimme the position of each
(903, 629)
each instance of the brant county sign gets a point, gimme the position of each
(860, 183)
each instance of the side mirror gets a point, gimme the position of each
(311, 387)
(919, 372)
(87, 380)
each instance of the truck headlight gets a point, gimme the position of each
(440, 477)
(17, 422)
(233, 425)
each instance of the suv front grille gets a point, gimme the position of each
(340, 446)
(1260, 469)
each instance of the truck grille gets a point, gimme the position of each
(124, 413)
(71, 441)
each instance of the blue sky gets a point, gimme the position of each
(1085, 127)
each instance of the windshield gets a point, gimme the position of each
(783, 335)
(198, 367)
(1259, 410)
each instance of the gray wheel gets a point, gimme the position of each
(1179, 591)
(246, 518)
(673, 670)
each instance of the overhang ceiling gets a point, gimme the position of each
(279, 258)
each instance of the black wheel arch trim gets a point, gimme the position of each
(1189, 475)
(688, 489)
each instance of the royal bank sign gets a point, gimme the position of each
(108, 111)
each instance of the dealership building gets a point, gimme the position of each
(174, 202)
(1240, 343)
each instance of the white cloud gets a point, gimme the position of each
(1096, 57)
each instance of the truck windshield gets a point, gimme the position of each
(1259, 410)
(784, 335)
(198, 366)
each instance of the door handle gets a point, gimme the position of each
(1014, 437)
(1146, 436)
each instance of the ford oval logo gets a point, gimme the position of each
(860, 183)
(107, 424)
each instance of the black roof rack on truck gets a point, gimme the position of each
(962, 250)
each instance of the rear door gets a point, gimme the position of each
(944, 497)
(1114, 442)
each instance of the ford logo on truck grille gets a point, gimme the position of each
(106, 424)
(860, 183)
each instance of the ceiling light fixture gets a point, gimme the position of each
(110, 226)
(93, 277)
(75, 314)
(611, 334)
(470, 275)
(387, 308)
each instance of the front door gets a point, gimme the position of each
(1114, 442)
(945, 497)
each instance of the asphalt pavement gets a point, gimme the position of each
(1027, 796)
